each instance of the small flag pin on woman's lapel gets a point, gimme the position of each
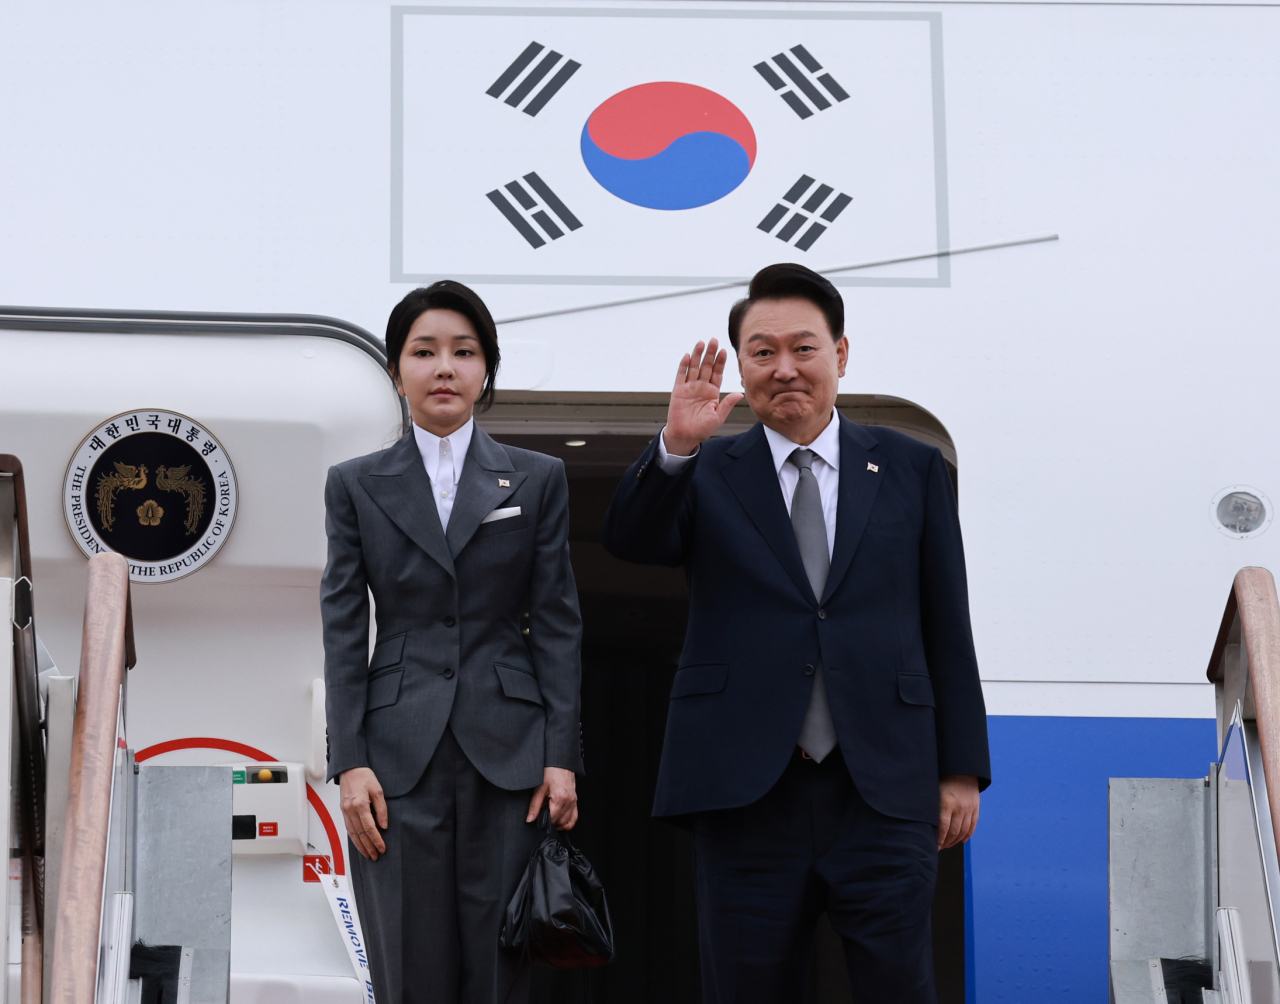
(872, 467)
(503, 483)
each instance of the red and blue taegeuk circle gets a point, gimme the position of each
(668, 145)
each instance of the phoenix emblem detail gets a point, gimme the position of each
(150, 513)
(176, 479)
(109, 484)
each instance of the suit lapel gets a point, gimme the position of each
(400, 487)
(754, 481)
(487, 480)
(859, 485)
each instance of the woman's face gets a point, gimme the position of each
(442, 371)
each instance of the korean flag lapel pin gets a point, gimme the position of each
(503, 483)
(873, 468)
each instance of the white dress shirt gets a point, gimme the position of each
(826, 469)
(443, 459)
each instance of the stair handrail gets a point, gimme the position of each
(1256, 605)
(107, 651)
(30, 766)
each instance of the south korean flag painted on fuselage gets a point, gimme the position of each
(653, 147)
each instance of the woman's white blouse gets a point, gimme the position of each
(443, 459)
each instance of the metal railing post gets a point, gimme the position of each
(107, 649)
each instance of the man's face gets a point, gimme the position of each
(790, 365)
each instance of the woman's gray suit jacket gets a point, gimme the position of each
(450, 611)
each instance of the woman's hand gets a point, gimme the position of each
(560, 787)
(362, 799)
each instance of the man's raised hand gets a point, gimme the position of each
(696, 410)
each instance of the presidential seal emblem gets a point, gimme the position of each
(154, 486)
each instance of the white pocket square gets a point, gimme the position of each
(502, 514)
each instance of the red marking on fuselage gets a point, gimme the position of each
(230, 746)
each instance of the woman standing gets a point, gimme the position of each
(448, 739)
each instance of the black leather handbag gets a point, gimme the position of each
(559, 915)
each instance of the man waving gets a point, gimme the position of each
(826, 734)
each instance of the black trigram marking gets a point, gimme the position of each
(532, 209)
(801, 214)
(533, 78)
(803, 81)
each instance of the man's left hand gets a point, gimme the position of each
(958, 809)
(560, 788)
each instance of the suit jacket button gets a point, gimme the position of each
(822, 615)
(808, 671)
(448, 673)
(450, 621)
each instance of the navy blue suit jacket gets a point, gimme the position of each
(892, 627)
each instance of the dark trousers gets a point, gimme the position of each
(432, 906)
(767, 871)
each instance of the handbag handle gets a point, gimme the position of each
(544, 822)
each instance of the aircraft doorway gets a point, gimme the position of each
(634, 622)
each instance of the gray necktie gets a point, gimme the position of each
(818, 734)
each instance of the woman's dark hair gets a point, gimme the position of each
(446, 295)
(788, 281)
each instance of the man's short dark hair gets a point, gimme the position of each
(788, 281)
(446, 295)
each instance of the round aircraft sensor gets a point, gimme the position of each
(1241, 511)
